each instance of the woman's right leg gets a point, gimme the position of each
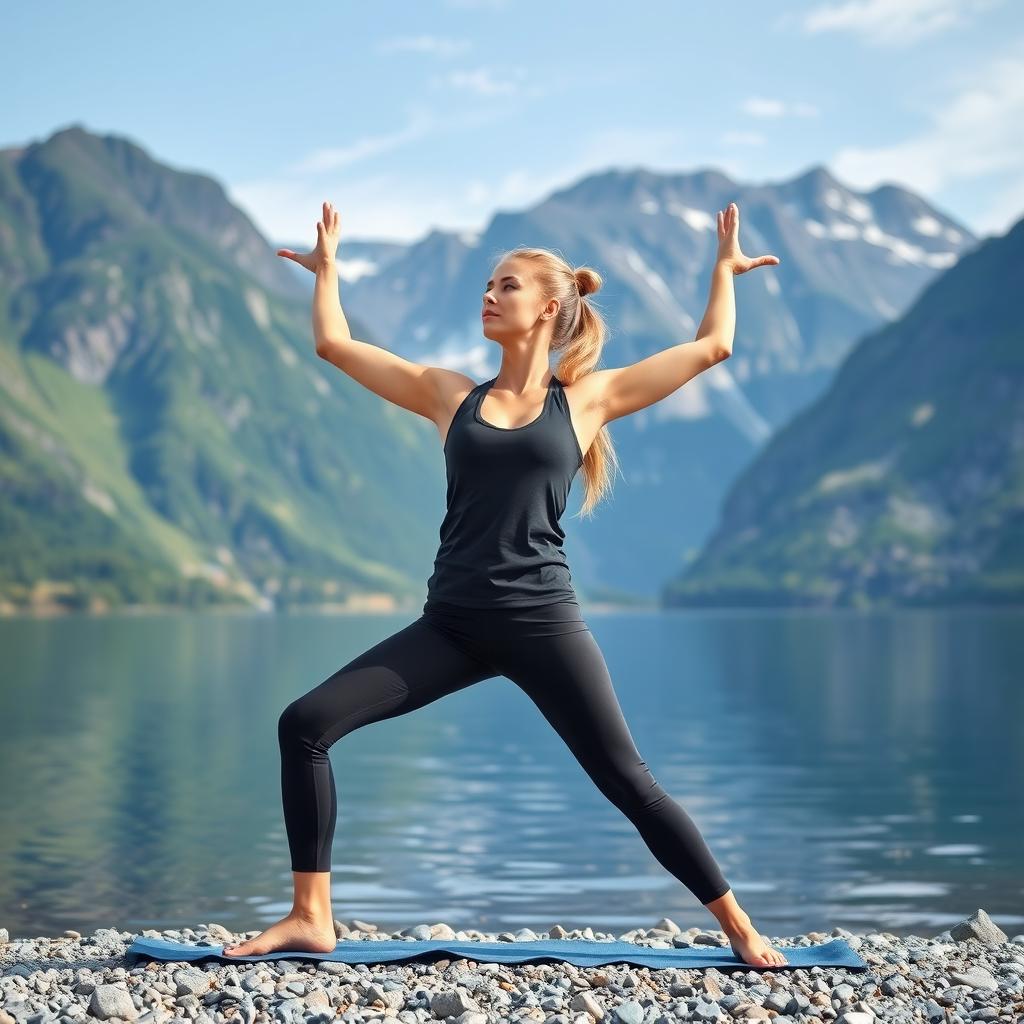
(405, 671)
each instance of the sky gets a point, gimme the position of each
(438, 114)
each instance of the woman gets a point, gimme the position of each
(500, 600)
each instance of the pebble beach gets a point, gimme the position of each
(971, 972)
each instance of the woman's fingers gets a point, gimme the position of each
(331, 218)
(729, 218)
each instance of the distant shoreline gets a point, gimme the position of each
(324, 608)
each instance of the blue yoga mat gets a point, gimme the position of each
(582, 952)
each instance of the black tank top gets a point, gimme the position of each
(501, 542)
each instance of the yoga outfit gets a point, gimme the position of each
(499, 603)
(501, 540)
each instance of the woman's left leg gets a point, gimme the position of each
(567, 678)
(553, 657)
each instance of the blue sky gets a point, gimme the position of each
(418, 115)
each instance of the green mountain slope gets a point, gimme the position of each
(904, 483)
(167, 433)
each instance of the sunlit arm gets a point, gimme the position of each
(626, 389)
(719, 323)
(329, 323)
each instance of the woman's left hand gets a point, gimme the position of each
(729, 251)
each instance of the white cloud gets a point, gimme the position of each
(333, 158)
(761, 106)
(423, 122)
(893, 22)
(483, 82)
(970, 136)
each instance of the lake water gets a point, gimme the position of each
(846, 768)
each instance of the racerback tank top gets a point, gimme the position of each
(501, 541)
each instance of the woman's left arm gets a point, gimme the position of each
(720, 319)
(719, 323)
(626, 389)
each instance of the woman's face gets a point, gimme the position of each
(513, 296)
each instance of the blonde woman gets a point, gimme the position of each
(500, 600)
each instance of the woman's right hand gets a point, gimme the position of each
(328, 230)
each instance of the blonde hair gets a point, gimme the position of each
(579, 336)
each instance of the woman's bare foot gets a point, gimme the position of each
(749, 945)
(293, 933)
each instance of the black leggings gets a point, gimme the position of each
(546, 650)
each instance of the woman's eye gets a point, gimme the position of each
(510, 286)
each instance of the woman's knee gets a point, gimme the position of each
(632, 787)
(298, 724)
(319, 718)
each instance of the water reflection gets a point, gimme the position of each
(861, 770)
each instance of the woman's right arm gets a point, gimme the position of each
(426, 390)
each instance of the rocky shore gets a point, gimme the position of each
(972, 972)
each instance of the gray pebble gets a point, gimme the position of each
(629, 1012)
(112, 1001)
(956, 976)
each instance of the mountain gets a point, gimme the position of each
(167, 433)
(903, 484)
(850, 262)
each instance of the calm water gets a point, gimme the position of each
(862, 770)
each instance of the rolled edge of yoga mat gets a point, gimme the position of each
(581, 952)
